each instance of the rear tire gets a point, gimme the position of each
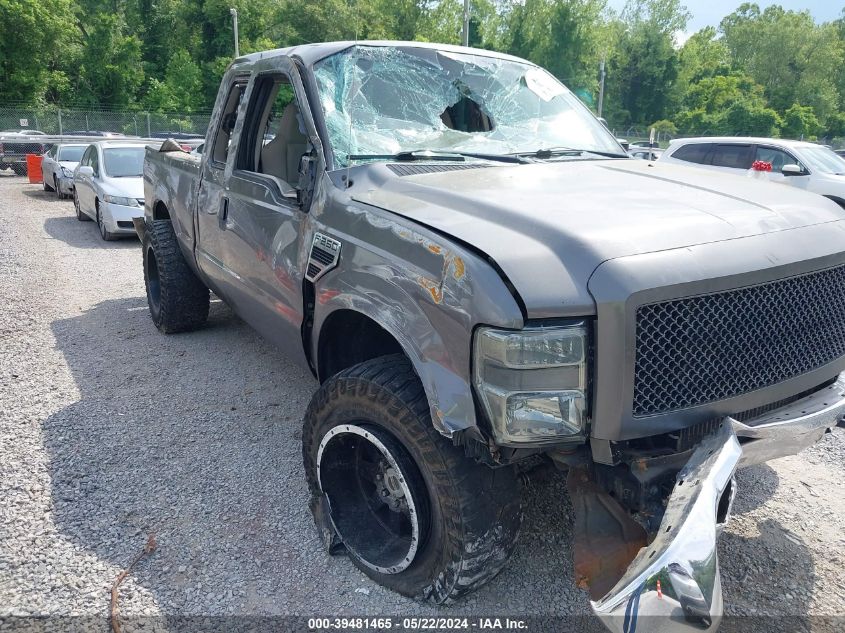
(19, 169)
(178, 300)
(467, 515)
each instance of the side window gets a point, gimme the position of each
(94, 161)
(693, 153)
(220, 151)
(778, 158)
(273, 139)
(730, 155)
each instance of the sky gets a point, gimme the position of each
(711, 12)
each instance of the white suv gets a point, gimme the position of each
(804, 165)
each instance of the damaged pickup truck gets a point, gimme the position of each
(481, 280)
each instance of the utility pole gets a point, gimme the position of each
(601, 86)
(234, 13)
(465, 32)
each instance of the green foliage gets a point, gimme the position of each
(793, 58)
(800, 121)
(664, 127)
(761, 71)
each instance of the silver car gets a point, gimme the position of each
(57, 167)
(108, 186)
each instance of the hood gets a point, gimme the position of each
(550, 225)
(69, 164)
(129, 187)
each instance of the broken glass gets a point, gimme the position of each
(389, 99)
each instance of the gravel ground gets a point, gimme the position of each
(109, 430)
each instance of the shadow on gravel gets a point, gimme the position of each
(36, 192)
(755, 486)
(197, 437)
(83, 234)
(771, 574)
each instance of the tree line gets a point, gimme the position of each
(760, 72)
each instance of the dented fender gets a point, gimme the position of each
(426, 291)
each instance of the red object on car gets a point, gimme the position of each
(33, 168)
(761, 165)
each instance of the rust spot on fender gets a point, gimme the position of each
(458, 267)
(434, 248)
(433, 289)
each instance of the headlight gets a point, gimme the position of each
(126, 202)
(532, 383)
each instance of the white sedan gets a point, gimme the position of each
(57, 167)
(803, 165)
(108, 186)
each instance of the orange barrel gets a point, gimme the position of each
(33, 168)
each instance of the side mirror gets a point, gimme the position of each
(792, 170)
(603, 121)
(86, 170)
(624, 143)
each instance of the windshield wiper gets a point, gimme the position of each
(569, 151)
(422, 154)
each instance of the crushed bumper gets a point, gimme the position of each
(673, 584)
(792, 428)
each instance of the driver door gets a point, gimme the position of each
(262, 228)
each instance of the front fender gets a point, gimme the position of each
(426, 291)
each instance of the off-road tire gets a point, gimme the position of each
(474, 512)
(178, 300)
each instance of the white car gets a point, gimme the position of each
(57, 167)
(804, 165)
(108, 186)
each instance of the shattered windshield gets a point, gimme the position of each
(381, 100)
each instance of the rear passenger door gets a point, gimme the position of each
(735, 157)
(212, 202)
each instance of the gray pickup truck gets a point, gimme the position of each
(482, 281)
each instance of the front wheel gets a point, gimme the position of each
(79, 214)
(414, 513)
(107, 235)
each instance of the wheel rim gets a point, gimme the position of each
(153, 282)
(100, 223)
(377, 498)
(76, 205)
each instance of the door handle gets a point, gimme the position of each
(224, 213)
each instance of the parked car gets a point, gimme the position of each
(482, 279)
(57, 167)
(102, 133)
(108, 186)
(644, 153)
(186, 140)
(839, 152)
(803, 165)
(13, 151)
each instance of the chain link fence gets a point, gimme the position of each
(55, 120)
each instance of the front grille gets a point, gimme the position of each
(703, 349)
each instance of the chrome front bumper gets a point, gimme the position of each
(673, 584)
(791, 429)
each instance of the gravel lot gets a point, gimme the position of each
(109, 430)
